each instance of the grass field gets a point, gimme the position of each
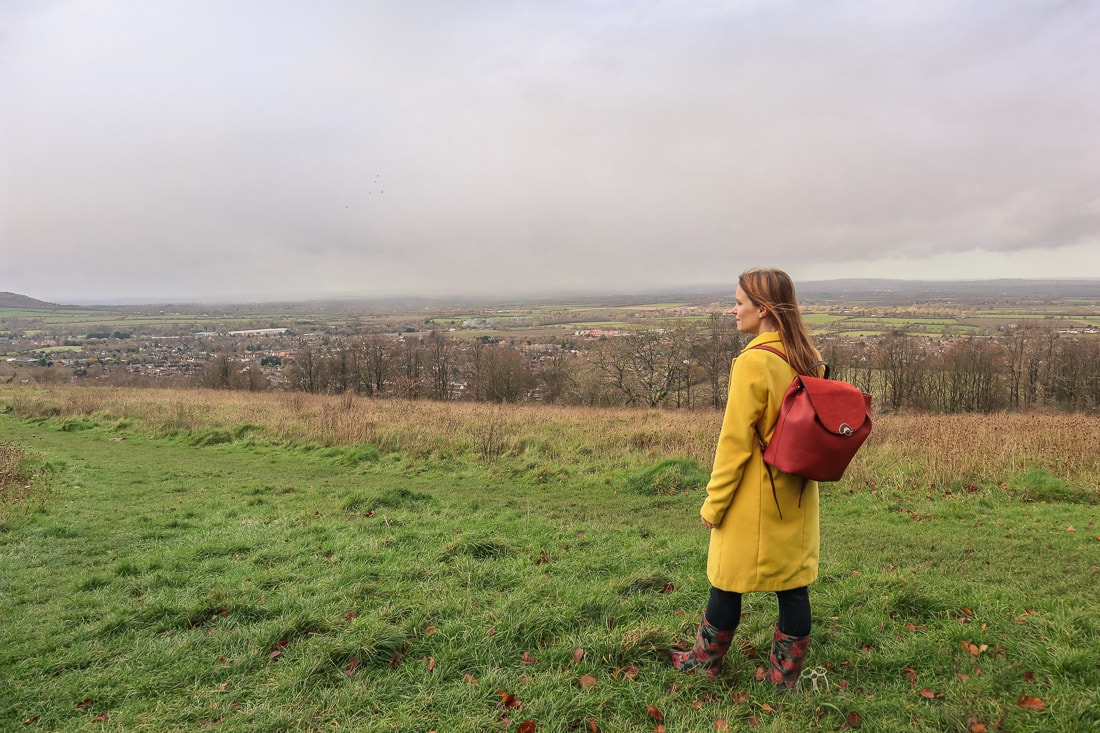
(182, 560)
(79, 322)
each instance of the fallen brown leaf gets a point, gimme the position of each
(1031, 703)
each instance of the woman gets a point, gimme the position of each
(764, 526)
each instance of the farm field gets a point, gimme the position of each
(180, 560)
(869, 309)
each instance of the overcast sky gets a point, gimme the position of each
(259, 149)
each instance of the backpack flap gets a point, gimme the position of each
(841, 408)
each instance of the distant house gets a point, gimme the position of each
(259, 332)
(596, 334)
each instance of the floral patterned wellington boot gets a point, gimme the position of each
(706, 656)
(785, 660)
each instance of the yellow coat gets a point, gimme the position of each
(751, 548)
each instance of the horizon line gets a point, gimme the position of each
(697, 289)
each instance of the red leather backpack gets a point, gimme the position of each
(822, 423)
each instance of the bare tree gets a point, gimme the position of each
(643, 365)
(849, 360)
(437, 351)
(1018, 345)
(1073, 374)
(407, 382)
(590, 384)
(304, 371)
(253, 379)
(683, 341)
(378, 358)
(557, 375)
(900, 360)
(509, 377)
(714, 353)
(612, 360)
(973, 367)
(472, 368)
(219, 372)
(340, 373)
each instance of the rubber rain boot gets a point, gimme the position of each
(785, 660)
(711, 646)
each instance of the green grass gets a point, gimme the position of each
(108, 319)
(51, 315)
(211, 579)
(821, 319)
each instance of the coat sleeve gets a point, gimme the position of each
(748, 396)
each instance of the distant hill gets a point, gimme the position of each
(886, 291)
(15, 300)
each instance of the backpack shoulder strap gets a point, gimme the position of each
(783, 356)
(760, 438)
(777, 352)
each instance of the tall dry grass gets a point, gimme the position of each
(930, 450)
(420, 428)
(948, 450)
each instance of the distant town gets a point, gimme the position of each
(928, 347)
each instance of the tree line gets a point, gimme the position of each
(1025, 368)
(683, 365)
(687, 365)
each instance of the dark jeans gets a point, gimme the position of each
(724, 610)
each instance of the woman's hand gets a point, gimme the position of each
(707, 524)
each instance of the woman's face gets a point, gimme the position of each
(746, 313)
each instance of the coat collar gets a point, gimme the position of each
(771, 338)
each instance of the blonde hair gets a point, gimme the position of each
(773, 290)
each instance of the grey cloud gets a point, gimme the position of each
(443, 147)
